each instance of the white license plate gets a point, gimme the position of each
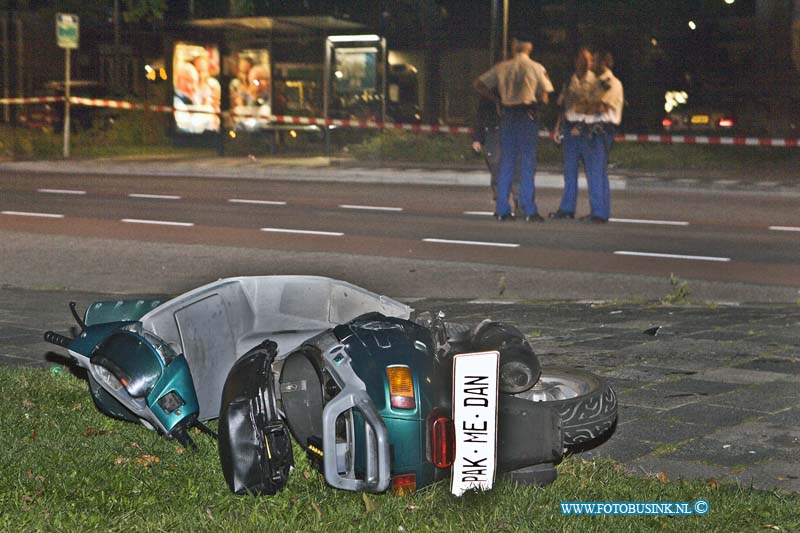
(475, 377)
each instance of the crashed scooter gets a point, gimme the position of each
(367, 392)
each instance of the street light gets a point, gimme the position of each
(692, 25)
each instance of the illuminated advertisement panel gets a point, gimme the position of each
(250, 90)
(196, 89)
(356, 70)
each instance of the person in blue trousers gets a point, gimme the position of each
(583, 138)
(521, 85)
(611, 104)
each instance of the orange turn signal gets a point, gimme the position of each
(401, 387)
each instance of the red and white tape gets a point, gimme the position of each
(708, 139)
(32, 100)
(118, 104)
(428, 128)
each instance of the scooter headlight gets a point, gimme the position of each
(108, 378)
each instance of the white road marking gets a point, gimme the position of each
(643, 221)
(675, 256)
(255, 202)
(303, 232)
(27, 214)
(157, 222)
(60, 191)
(155, 196)
(784, 228)
(479, 213)
(370, 207)
(474, 243)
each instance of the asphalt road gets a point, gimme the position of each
(62, 228)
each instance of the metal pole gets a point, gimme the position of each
(6, 52)
(494, 45)
(66, 103)
(504, 51)
(384, 62)
(326, 93)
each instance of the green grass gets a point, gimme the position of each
(66, 467)
(138, 134)
(399, 146)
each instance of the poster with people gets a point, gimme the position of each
(196, 89)
(250, 90)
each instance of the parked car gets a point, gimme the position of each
(699, 119)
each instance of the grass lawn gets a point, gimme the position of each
(66, 467)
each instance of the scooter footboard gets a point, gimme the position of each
(528, 433)
(353, 396)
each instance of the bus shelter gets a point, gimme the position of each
(232, 75)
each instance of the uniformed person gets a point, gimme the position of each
(579, 134)
(610, 117)
(522, 85)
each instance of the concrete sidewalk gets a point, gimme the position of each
(715, 394)
(325, 169)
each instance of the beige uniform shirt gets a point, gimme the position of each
(519, 81)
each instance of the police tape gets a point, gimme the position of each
(375, 125)
(32, 100)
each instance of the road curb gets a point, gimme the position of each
(322, 169)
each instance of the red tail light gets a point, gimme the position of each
(404, 484)
(726, 123)
(442, 442)
(667, 123)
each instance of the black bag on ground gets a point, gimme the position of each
(254, 444)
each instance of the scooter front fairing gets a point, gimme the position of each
(188, 344)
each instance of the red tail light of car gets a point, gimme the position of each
(443, 447)
(726, 123)
(404, 484)
(667, 123)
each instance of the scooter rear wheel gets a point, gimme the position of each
(586, 403)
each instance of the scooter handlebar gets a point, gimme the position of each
(55, 338)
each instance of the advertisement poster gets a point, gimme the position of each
(250, 91)
(197, 92)
(356, 70)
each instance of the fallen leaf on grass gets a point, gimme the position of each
(34, 435)
(317, 509)
(27, 404)
(93, 432)
(412, 507)
(75, 406)
(179, 450)
(307, 474)
(209, 515)
(147, 460)
(712, 484)
(369, 504)
(770, 526)
(663, 477)
(119, 460)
